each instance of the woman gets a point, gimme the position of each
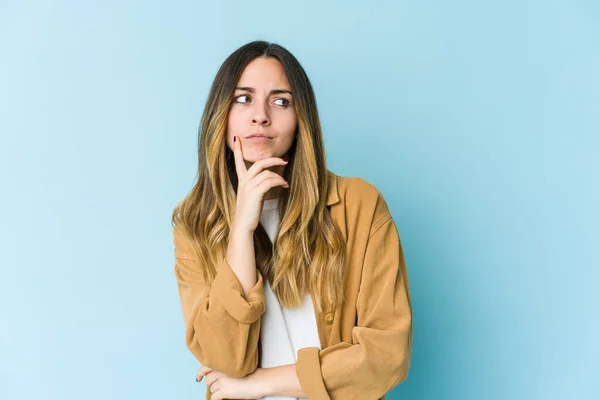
(292, 279)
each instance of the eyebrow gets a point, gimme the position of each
(274, 91)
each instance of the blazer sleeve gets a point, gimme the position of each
(222, 326)
(379, 356)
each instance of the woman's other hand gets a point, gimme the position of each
(222, 386)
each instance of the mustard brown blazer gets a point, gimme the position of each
(366, 344)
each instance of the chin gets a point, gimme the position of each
(253, 156)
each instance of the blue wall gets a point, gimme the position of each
(478, 122)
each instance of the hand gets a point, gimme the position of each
(222, 386)
(252, 186)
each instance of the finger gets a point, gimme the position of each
(260, 165)
(266, 174)
(214, 387)
(203, 370)
(217, 395)
(212, 377)
(238, 156)
(272, 182)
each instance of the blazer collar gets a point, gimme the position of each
(332, 190)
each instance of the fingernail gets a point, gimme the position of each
(234, 138)
(197, 380)
(284, 159)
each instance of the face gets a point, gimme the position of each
(263, 104)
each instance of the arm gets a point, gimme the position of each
(222, 324)
(278, 381)
(240, 256)
(379, 356)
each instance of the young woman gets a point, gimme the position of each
(292, 279)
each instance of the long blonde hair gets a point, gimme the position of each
(206, 214)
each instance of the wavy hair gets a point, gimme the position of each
(206, 213)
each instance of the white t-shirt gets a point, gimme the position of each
(283, 331)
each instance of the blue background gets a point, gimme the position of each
(478, 121)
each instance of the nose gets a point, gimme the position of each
(261, 115)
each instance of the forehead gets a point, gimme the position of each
(265, 73)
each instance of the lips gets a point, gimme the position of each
(257, 135)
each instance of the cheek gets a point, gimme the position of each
(287, 124)
(234, 122)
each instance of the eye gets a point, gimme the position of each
(286, 102)
(237, 99)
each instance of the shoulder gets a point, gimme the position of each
(360, 196)
(354, 188)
